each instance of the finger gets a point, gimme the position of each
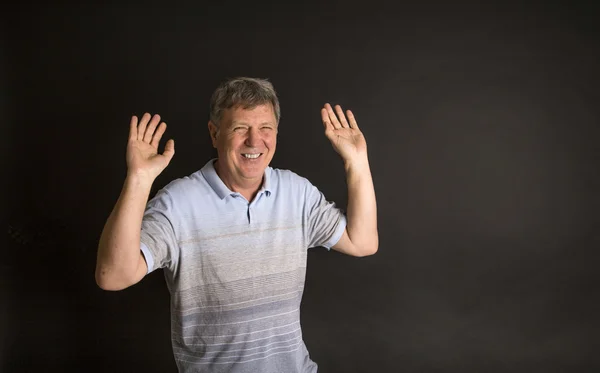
(352, 120)
(332, 117)
(326, 122)
(133, 128)
(340, 114)
(158, 134)
(169, 151)
(151, 127)
(142, 126)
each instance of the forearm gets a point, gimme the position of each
(362, 206)
(119, 246)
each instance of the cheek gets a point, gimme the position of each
(232, 143)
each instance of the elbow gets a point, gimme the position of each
(105, 284)
(369, 249)
(374, 249)
(365, 250)
(108, 282)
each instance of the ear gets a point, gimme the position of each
(213, 130)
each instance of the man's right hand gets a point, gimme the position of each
(142, 148)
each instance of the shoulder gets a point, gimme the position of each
(288, 178)
(186, 183)
(292, 185)
(182, 188)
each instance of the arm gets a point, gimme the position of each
(360, 237)
(120, 262)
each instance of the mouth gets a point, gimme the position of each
(251, 155)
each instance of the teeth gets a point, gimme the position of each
(252, 156)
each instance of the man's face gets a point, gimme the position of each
(245, 142)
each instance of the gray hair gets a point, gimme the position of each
(244, 91)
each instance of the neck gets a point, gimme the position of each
(247, 188)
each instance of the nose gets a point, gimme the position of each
(253, 138)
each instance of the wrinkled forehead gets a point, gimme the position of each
(250, 115)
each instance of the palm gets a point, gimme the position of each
(143, 155)
(344, 134)
(348, 142)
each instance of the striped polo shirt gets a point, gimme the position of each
(236, 269)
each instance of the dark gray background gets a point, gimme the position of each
(482, 124)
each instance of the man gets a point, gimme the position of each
(232, 238)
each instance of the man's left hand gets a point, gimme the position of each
(345, 136)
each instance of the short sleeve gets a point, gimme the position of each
(158, 237)
(325, 223)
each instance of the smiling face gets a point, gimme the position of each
(245, 141)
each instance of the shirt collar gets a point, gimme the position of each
(215, 182)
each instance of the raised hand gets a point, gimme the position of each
(345, 136)
(142, 147)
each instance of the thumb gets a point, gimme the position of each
(169, 151)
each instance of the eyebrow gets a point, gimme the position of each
(238, 123)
